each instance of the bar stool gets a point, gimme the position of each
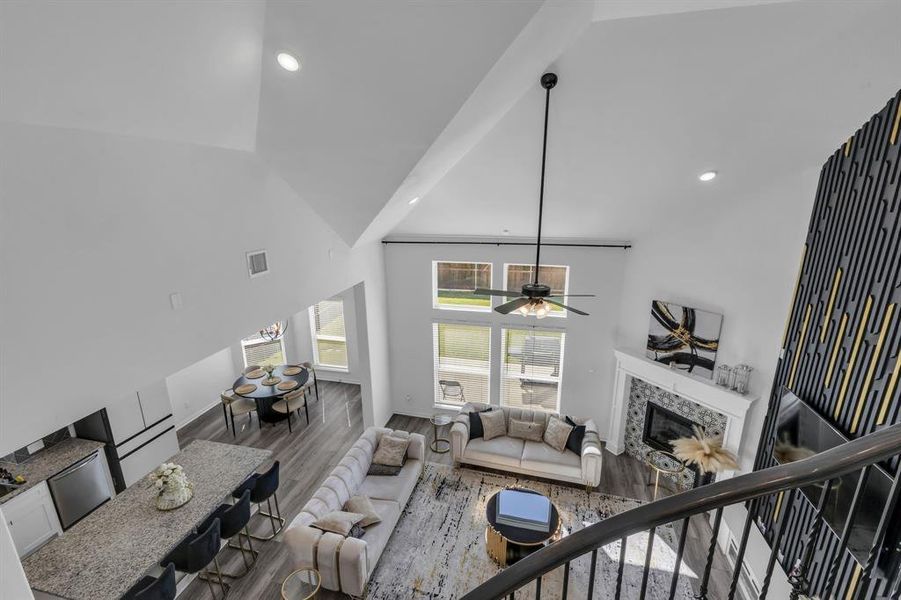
(154, 588)
(233, 518)
(292, 402)
(196, 552)
(264, 487)
(312, 370)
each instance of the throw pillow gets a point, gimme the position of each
(493, 424)
(383, 470)
(338, 521)
(556, 434)
(525, 430)
(362, 505)
(356, 532)
(475, 424)
(391, 451)
(574, 441)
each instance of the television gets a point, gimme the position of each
(802, 432)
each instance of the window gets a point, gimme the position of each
(531, 368)
(454, 282)
(557, 277)
(258, 351)
(329, 336)
(462, 363)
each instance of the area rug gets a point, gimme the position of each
(438, 547)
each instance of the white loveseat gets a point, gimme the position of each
(345, 564)
(529, 458)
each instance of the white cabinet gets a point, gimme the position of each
(150, 455)
(125, 417)
(31, 518)
(154, 401)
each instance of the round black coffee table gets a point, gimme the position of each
(507, 544)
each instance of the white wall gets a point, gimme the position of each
(194, 389)
(96, 230)
(13, 584)
(588, 362)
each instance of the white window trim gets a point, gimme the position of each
(561, 314)
(257, 341)
(532, 328)
(314, 337)
(477, 309)
(435, 392)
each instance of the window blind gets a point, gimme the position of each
(462, 360)
(329, 335)
(531, 368)
(258, 351)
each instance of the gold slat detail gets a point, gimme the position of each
(855, 579)
(778, 506)
(848, 146)
(791, 305)
(835, 349)
(868, 380)
(826, 320)
(850, 370)
(892, 382)
(799, 348)
(897, 126)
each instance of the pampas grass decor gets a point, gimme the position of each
(704, 451)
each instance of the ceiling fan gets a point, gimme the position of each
(536, 298)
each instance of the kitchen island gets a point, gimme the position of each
(103, 555)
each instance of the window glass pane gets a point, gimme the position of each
(329, 335)
(553, 276)
(531, 368)
(462, 356)
(258, 351)
(455, 282)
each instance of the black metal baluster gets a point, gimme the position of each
(742, 546)
(647, 562)
(777, 541)
(619, 570)
(702, 593)
(594, 561)
(881, 531)
(679, 551)
(846, 531)
(538, 588)
(565, 580)
(798, 576)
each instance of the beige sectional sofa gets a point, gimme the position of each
(527, 457)
(345, 564)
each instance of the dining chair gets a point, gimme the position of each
(309, 367)
(452, 391)
(237, 406)
(292, 402)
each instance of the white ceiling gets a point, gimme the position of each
(183, 71)
(646, 104)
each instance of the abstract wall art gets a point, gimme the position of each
(684, 338)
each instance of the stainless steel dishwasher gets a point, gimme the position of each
(79, 489)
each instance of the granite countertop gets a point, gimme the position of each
(112, 548)
(48, 462)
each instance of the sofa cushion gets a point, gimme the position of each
(538, 456)
(574, 442)
(377, 535)
(398, 489)
(525, 430)
(494, 424)
(502, 451)
(556, 434)
(475, 424)
(338, 521)
(391, 451)
(364, 506)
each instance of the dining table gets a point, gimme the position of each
(265, 395)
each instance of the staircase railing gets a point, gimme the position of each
(857, 455)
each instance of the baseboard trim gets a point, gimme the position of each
(197, 415)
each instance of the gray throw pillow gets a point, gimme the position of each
(391, 451)
(338, 521)
(493, 424)
(363, 506)
(525, 430)
(383, 470)
(556, 434)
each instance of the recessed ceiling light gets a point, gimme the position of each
(414, 201)
(288, 62)
(707, 176)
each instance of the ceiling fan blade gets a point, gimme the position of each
(572, 296)
(506, 309)
(509, 293)
(569, 308)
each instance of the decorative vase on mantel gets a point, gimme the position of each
(173, 487)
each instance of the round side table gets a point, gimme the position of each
(440, 421)
(302, 584)
(662, 462)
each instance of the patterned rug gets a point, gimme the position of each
(438, 547)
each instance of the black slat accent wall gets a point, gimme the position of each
(843, 332)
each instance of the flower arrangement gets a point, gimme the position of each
(173, 487)
(705, 451)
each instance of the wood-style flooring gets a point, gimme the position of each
(308, 454)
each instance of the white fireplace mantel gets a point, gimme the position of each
(630, 363)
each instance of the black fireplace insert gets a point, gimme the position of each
(662, 426)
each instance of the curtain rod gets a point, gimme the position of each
(486, 243)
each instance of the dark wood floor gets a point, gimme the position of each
(309, 453)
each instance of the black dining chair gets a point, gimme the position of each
(196, 552)
(154, 588)
(264, 487)
(233, 518)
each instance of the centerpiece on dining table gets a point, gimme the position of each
(172, 485)
(270, 379)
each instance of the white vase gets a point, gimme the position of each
(172, 497)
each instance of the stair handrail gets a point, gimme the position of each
(841, 460)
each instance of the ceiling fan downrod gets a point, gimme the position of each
(548, 81)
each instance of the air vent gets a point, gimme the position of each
(257, 264)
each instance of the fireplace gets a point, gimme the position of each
(662, 426)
